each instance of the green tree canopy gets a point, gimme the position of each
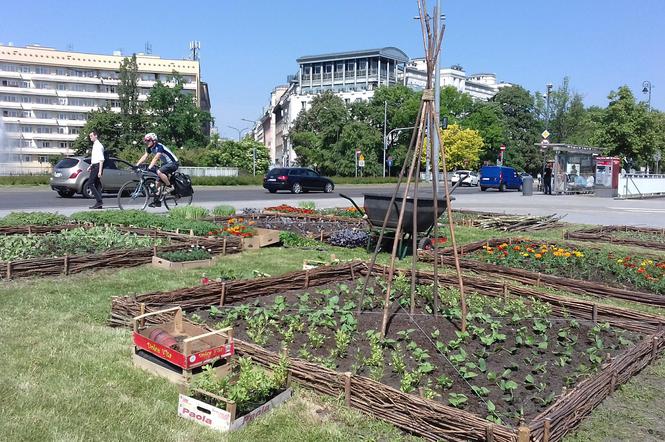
(174, 116)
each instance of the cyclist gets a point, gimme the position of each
(167, 159)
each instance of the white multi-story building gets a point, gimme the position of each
(353, 76)
(45, 96)
(479, 86)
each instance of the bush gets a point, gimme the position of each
(25, 180)
(33, 218)
(224, 210)
(189, 212)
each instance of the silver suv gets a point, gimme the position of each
(71, 175)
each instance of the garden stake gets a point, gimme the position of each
(29, 230)
(654, 347)
(222, 295)
(613, 381)
(546, 429)
(594, 313)
(66, 265)
(307, 278)
(9, 270)
(154, 250)
(224, 247)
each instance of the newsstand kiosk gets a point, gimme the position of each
(607, 176)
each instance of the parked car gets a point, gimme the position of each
(470, 178)
(70, 176)
(499, 177)
(296, 180)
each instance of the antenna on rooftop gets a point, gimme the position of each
(70, 47)
(148, 48)
(195, 47)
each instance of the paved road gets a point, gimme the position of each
(583, 209)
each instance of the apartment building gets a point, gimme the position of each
(482, 86)
(353, 76)
(45, 95)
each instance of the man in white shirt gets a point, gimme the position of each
(96, 169)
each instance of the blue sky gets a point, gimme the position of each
(249, 47)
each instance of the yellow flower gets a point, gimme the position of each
(619, 261)
(567, 254)
(538, 255)
(525, 254)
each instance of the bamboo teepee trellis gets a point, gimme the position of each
(427, 122)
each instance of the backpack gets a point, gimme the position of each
(182, 184)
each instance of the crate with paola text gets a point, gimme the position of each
(255, 389)
(177, 350)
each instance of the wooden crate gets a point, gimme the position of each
(262, 238)
(199, 347)
(224, 419)
(166, 264)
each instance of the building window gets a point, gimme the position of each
(43, 159)
(46, 144)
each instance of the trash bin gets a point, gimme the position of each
(527, 185)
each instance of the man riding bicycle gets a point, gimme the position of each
(168, 163)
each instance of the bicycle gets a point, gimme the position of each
(136, 194)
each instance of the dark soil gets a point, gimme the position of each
(266, 323)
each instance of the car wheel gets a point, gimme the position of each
(66, 193)
(272, 190)
(87, 190)
(296, 188)
(483, 188)
(519, 189)
(502, 187)
(329, 188)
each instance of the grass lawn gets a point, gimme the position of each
(68, 376)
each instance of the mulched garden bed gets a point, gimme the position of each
(513, 364)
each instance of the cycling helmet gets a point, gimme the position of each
(150, 137)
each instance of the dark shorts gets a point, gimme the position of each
(168, 169)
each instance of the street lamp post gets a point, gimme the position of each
(646, 89)
(547, 124)
(253, 149)
(240, 131)
(385, 139)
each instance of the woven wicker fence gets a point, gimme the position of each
(426, 418)
(603, 234)
(111, 259)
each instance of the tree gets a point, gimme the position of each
(228, 153)
(628, 129)
(175, 117)
(522, 128)
(462, 147)
(455, 105)
(131, 110)
(109, 127)
(487, 119)
(356, 135)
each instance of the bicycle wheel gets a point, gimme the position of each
(171, 201)
(133, 195)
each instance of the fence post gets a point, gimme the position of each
(594, 313)
(489, 433)
(66, 265)
(223, 295)
(9, 270)
(546, 429)
(307, 278)
(224, 247)
(523, 433)
(347, 388)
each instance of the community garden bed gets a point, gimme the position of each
(522, 348)
(50, 250)
(586, 270)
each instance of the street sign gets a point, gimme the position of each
(390, 161)
(545, 134)
(362, 157)
(357, 151)
(503, 147)
(657, 156)
(361, 163)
